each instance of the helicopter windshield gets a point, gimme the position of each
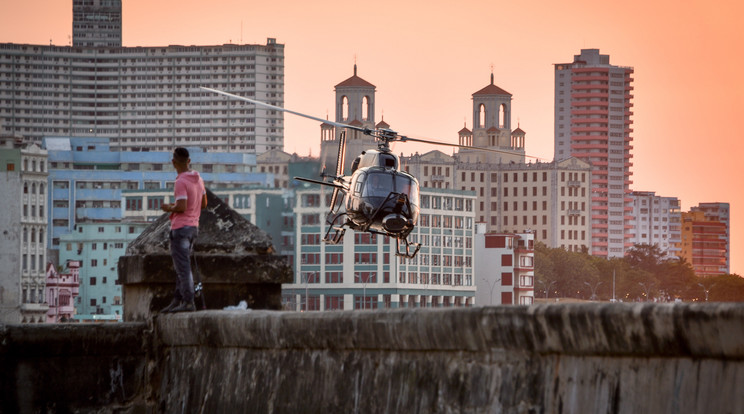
(378, 185)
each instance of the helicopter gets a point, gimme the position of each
(378, 197)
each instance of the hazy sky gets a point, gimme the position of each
(427, 58)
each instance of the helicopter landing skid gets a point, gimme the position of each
(338, 231)
(405, 249)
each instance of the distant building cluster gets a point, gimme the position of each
(141, 98)
(87, 130)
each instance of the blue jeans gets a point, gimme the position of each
(181, 245)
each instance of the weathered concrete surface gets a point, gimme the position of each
(234, 258)
(612, 358)
(558, 358)
(74, 368)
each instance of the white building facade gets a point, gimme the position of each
(363, 272)
(657, 221)
(23, 254)
(505, 265)
(143, 98)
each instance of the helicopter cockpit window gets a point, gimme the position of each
(407, 186)
(378, 185)
(358, 184)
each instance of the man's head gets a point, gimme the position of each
(181, 158)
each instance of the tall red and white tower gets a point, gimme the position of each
(593, 122)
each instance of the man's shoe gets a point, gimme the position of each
(168, 309)
(184, 307)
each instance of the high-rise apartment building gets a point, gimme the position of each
(593, 112)
(656, 221)
(143, 98)
(96, 23)
(704, 243)
(719, 212)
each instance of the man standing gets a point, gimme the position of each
(190, 198)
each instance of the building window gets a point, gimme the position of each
(333, 302)
(334, 277)
(506, 279)
(365, 302)
(365, 277)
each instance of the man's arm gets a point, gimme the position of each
(204, 201)
(178, 207)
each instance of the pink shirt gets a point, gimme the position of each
(190, 187)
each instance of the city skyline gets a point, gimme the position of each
(426, 62)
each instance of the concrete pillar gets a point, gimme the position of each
(234, 260)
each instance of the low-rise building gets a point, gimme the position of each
(62, 290)
(505, 265)
(87, 179)
(97, 247)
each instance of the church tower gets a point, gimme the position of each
(355, 105)
(492, 128)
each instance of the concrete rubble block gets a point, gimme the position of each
(234, 259)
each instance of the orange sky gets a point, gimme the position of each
(427, 58)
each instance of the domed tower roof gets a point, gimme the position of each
(518, 131)
(355, 81)
(492, 90)
(382, 124)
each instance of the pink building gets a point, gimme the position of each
(61, 291)
(593, 111)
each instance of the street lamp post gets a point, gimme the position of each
(492, 286)
(647, 289)
(706, 290)
(364, 292)
(547, 286)
(594, 289)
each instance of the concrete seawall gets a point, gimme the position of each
(587, 358)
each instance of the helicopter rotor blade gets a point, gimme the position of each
(403, 138)
(277, 108)
(334, 185)
(341, 157)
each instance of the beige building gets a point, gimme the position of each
(550, 199)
